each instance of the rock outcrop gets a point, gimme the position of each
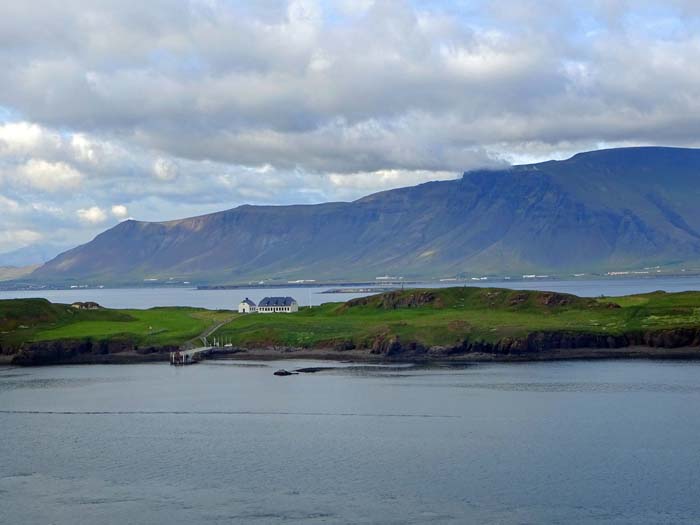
(398, 299)
(540, 343)
(78, 352)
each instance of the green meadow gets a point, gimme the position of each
(33, 320)
(449, 316)
(429, 316)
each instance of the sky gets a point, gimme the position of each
(158, 110)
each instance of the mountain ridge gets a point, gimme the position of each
(606, 209)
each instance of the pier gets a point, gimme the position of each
(191, 356)
(187, 355)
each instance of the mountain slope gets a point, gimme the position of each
(606, 209)
(34, 254)
(9, 273)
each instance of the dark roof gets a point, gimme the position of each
(277, 301)
(248, 301)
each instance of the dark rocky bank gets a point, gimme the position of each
(88, 352)
(536, 346)
(542, 342)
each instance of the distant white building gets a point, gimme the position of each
(278, 305)
(246, 306)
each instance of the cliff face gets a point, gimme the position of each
(81, 352)
(536, 346)
(608, 209)
(540, 343)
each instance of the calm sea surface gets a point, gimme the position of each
(228, 442)
(222, 442)
(229, 299)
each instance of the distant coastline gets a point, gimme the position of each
(513, 281)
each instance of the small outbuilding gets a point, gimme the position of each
(271, 305)
(246, 306)
(88, 305)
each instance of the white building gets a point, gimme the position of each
(278, 304)
(246, 306)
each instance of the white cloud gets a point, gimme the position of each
(50, 176)
(10, 239)
(92, 215)
(8, 205)
(350, 86)
(19, 137)
(22, 141)
(47, 209)
(164, 169)
(85, 149)
(120, 211)
(385, 179)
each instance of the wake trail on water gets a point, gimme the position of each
(212, 413)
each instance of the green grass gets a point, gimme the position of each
(30, 320)
(432, 317)
(455, 314)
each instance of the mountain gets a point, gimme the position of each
(33, 254)
(602, 210)
(10, 273)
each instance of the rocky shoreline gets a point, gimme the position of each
(635, 352)
(87, 352)
(538, 346)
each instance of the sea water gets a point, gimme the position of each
(229, 442)
(315, 295)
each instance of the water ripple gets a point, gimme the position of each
(583, 387)
(213, 413)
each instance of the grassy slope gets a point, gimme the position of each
(27, 320)
(457, 313)
(432, 317)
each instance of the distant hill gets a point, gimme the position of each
(8, 273)
(34, 254)
(602, 210)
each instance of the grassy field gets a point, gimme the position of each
(442, 317)
(448, 316)
(30, 320)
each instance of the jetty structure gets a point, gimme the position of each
(189, 357)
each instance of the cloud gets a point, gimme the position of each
(8, 205)
(10, 239)
(164, 169)
(384, 179)
(86, 150)
(49, 176)
(20, 137)
(309, 86)
(173, 111)
(120, 211)
(92, 215)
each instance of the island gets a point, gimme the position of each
(460, 323)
